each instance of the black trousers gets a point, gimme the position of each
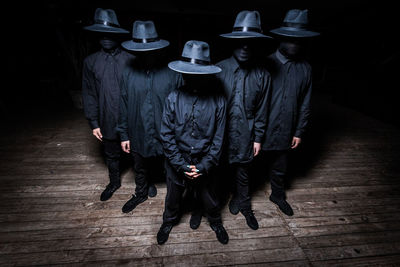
(241, 190)
(204, 187)
(278, 160)
(147, 170)
(112, 153)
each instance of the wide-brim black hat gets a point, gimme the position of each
(195, 59)
(105, 20)
(247, 25)
(190, 68)
(148, 46)
(295, 24)
(144, 37)
(294, 32)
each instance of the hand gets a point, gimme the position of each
(126, 146)
(296, 142)
(194, 172)
(256, 148)
(97, 134)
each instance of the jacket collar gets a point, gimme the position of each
(281, 57)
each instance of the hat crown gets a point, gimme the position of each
(105, 15)
(249, 19)
(198, 50)
(296, 16)
(144, 30)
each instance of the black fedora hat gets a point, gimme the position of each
(144, 37)
(247, 25)
(295, 25)
(105, 20)
(195, 59)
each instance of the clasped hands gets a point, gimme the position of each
(191, 172)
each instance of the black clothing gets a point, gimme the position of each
(100, 89)
(279, 165)
(112, 152)
(205, 188)
(147, 170)
(246, 91)
(289, 109)
(192, 132)
(143, 94)
(193, 127)
(241, 195)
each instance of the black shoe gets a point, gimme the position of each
(109, 191)
(283, 205)
(233, 206)
(220, 232)
(250, 219)
(163, 233)
(133, 202)
(195, 220)
(152, 190)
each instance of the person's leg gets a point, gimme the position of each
(112, 153)
(243, 194)
(210, 202)
(141, 189)
(278, 174)
(173, 200)
(197, 209)
(156, 174)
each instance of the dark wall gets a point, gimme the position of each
(355, 59)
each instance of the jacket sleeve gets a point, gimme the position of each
(171, 149)
(212, 158)
(260, 120)
(90, 97)
(122, 127)
(304, 109)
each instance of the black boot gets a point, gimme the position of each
(133, 202)
(163, 233)
(220, 232)
(233, 206)
(282, 204)
(250, 219)
(195, 219)
(109, 191)
(152, 191)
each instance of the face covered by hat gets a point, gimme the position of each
(105, 21)
(144, 37)
(295, 25)
(195, 59)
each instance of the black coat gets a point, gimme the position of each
(289, 109)
(100, 89)
(143, 94)
(246, 91)
(193, 127)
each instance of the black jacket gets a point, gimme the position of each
(289, 109)
(193, 126)
(100, 89)
(246, 91)
(143, 93)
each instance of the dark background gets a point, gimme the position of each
(355, 60)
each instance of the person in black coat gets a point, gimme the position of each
(100, 91)
(192, 133)
(144, 87)
(289, 110)
(246, 85)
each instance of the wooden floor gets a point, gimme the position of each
(345, 195)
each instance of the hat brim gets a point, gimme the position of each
(190, 68)
(290, 32)
(135, 46)
(237, 35)
(104, 28)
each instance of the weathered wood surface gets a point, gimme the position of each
(345, 193)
